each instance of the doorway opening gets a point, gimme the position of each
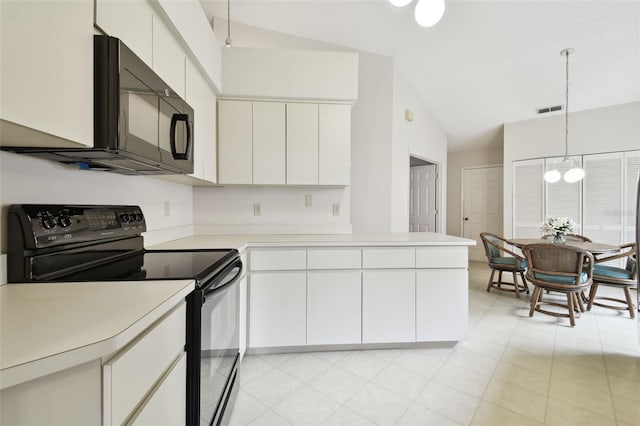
(423, 195)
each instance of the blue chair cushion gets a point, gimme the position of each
(508, 260)
(493, 251)
(584, 277)
(611, 272)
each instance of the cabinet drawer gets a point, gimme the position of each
(277, 260)
(442, 257)
(167, 405)
(334, 259)
(130, 375)
(388, 258)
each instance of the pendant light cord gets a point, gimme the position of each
(227, 42)
(566, 106)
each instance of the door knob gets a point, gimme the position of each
(466, 218)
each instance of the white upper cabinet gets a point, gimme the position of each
(131, 22)
(269, 143)
(334, 144)
(235, 142)
(168, 55)
(46, 63)
(302, 144)
(200, 96)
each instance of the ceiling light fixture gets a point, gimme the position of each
(575, 172)
(227, 42)
(427, 13)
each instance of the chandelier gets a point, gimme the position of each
(574, 173)
(427, 13)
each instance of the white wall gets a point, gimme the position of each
(371, 136)
(424, 138)
(455, 162)
(614, 128)
(30, 180)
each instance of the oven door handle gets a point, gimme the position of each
(236, 263)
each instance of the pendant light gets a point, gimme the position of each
(575, 172)
(227, 42)
(427, 12)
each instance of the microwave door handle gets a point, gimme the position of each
(172, 136)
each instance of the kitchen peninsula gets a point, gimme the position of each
(314, 292)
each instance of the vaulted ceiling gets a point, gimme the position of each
(486, 62)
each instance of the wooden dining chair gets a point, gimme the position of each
(558, 268)
(570, 237)
(616, 277)
(502, 260)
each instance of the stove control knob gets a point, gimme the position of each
(124, 217)
(47, 221)
(64, 221)
(139, 217)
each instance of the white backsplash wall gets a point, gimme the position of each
(282, 210)
(30, 180)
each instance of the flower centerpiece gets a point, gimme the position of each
(558, 226)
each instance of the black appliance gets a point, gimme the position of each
(141, 126)
(104, 243)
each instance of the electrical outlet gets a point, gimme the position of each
(167, 208)
(307, 200)
(336, 209)
(257, 209)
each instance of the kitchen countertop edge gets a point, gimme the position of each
(44, 365)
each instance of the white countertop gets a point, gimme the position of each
(241, 242)
(49, 327)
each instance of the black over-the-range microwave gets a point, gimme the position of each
(141, 125)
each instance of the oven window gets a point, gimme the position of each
(219, 347)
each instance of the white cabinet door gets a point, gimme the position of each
(131, 22)
(167, 405)
(46, 65)
(201, 98)
(269, 143)
(334, 144)
(235, 146)
(168, 55)
(333, 307)
(441, 304)
(277, 306)
(302, 144)
(388, 306)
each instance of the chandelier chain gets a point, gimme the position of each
(566, 106)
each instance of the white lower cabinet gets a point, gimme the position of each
(167, 405)
(442, 300)
(333, 307)
(277, 309)
(388, 306)
(243, 315)
(131, 376)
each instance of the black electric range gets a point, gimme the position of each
(49, 243)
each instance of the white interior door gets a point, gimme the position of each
(481, 206)
(422, 199)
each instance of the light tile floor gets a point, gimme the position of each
(511, 370)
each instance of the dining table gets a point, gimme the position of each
(591, 247)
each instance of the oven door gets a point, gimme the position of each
(219, 349)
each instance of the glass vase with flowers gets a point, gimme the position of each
(558, 226)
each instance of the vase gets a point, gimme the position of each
(558, 238)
